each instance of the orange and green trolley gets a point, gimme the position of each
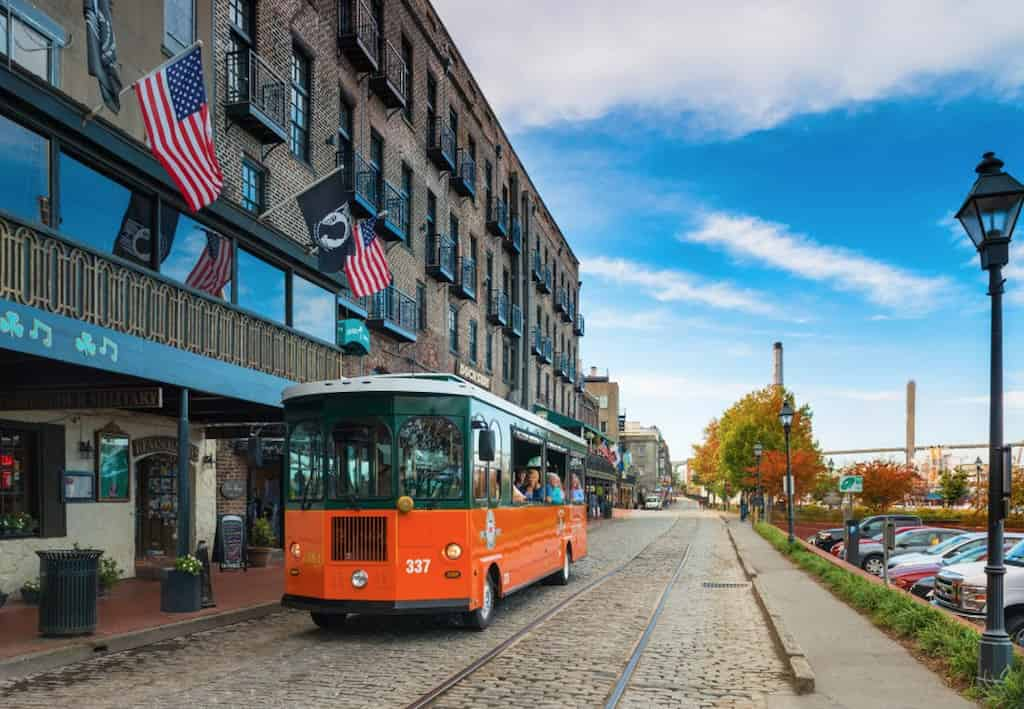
(406, 494)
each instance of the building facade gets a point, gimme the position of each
(135, 408)
(607, 393)
(648, 456)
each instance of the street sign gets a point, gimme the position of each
(851, 483)
(787, 485)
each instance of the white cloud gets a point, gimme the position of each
(669, 286)
(731, 66)
(766, 243)
(1012, 399)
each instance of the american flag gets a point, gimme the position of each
(366, 267)
(213, 269)
(177, 118)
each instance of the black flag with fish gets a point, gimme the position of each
(101, 48)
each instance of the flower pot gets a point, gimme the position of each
(260, 556)
(179, 592)
(30, 596)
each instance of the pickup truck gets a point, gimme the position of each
(961, 589)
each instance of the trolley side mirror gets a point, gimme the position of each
(485, 445)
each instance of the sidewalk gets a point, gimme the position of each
(130, 617)
(856, 665)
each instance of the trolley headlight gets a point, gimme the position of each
(359, 578)
(296, 550)
(453, 551)
(405, 504)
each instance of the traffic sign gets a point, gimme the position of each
(851, 483)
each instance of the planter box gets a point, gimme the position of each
(179, 592)
(260, 556)
(30, 597)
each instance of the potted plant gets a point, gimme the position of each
(262, 541)
(30, 592)
(180, 587)
(109, 574)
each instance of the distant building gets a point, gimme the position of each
(648, 455)
(607, 393)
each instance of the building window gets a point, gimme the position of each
(538, 381)
(472, 341)
(488, 351)
(344, 156)
(431, 222)
(253, 187)
(261, 287)
(407, 57)
(453, 123)
(19, 483)
(32, 40)
(407, 193)
(25, 173)
(453, 329)
(196, 255)
(453, 230)
(299, 137)
(603, 402)
(433, 131)
(241, 16)
(506, 362)
(314, 309)
(421, 304)
(604, 427)
(179, 24)
(377, 164)
(488, 186)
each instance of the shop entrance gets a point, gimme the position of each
(157, 512)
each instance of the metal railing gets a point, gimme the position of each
(251, 80)
(41, 270)
(465, 169)
(394, 306)
(441, 137)
(549, 278)
(515, 234)
(499, 305)
(516, 321)
(394, 69)
(547, 349)
(367, 180)
(346, 295)
(396, 203)
(562, 300)
(356, 19)
(441, 253)
(467, 276)
(537, 267)
(536, 341)
(497, 213)
(579, 326)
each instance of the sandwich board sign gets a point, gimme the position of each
(851, 483)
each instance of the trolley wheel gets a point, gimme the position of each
(482, 616)
(564, 574)
(328, 621)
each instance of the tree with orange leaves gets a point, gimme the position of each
(885, 482)
(806, 466)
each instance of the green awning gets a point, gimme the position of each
(567, 422)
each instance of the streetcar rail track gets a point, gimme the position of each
(441, 689)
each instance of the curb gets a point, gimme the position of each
(803, 674)
(22, 665)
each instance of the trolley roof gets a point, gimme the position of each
(436, 384)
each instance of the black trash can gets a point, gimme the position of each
(67, 591)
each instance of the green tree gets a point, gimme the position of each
(953, 486)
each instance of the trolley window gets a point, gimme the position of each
(576, 495)
(362, 466)
(305, 452)
(430, 453)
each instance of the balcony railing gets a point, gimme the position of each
(256, 96)
(536, 342)
(562, 302)
(570, 308)
(355, 306)
(366, 185)
(515, 325)
(41, 270)
(579, 325)
(441, 257)
(497, 217)
(562, 365)
(441, 144)
(581, 383)
(498, 311)
(463, 179)
(393, 226)
(395, 312)
(547, 350)
(514, 240)
(358, 34)
(536, 268)
(465, 286)
(390, 81)
(547, 283)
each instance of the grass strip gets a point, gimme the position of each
(935, 634)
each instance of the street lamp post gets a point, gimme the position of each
(758, 450)
(977, 477)
(786, 418)
(989, 215)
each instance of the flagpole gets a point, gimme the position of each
(287, 200)
(100, 106)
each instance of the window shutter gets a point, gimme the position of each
(51, 480)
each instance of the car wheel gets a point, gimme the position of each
(329, 621)
(873, 565)
(562, 576)
(482, 616)
(1015, 628)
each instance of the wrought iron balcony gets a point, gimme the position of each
(441, 258)
(562, 365)
(536, 268)
(536, 342)
(548, 282)
(441, 144)
(465, 285)
(497, 217)
(42, 270)
(358, 34)
(579, 325)
(515, 325)
(570, 308)
(394, 312)
(497, 313)
(581, 383)
(562, 303)
(514, 240)
(353, 306)
(393, 226)
(362, 184)
(463, 179)
(390, 81)
(547, 350)
(256, 97)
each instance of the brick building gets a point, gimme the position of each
(607, 393)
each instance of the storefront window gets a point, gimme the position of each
(260, 287)
(92, 206)
(362, 466)
(24, 172)
(198, 257)
(19, 496)
(305, 450)
(430, 458)
(313, 309)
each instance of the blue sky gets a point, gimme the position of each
(731, 175)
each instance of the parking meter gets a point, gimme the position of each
(852, 534)
(888, 544)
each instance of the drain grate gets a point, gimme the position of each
(714, 584)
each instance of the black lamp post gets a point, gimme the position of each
(786, 419)
(977, 477)
(989, 215)
(758, 450)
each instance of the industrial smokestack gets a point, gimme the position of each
(777, 364)
(911, 412)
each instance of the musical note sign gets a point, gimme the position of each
(232, 542)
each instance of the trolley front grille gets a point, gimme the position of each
(359, 539)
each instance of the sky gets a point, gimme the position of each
(731, 174)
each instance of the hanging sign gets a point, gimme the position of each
(353, 337)
(851, 483)
(161, 444)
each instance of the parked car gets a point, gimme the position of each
(919, 578)
(952, 547)
(653, 502)
(840, 548)
(872, 555)
(961, 589)
(869, 527)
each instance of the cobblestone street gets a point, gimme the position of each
(711, 647)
